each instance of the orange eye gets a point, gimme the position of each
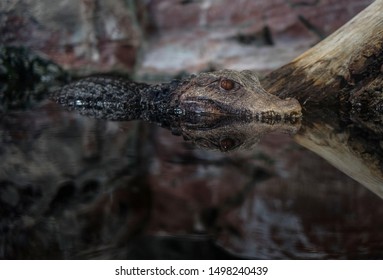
(227, 84)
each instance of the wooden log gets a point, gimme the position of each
(339, 83)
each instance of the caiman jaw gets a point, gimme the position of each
(272, 117)
(206, 109)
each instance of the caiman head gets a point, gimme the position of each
(222, 110)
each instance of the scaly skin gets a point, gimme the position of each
(222, 110)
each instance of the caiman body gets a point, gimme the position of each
(221, 110)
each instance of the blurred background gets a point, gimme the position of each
(78, 188)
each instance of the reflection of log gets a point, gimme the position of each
(339, 83)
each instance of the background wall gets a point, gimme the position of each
(156, 38)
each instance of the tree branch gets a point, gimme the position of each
(339, 83)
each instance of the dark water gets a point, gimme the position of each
(71, 187)
(77, 188)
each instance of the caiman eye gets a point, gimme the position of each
(227, 84)
(227, 144)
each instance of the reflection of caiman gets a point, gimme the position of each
(330, 98)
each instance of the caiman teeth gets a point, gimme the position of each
(293, 115)
(272, 117)
(269, 117)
